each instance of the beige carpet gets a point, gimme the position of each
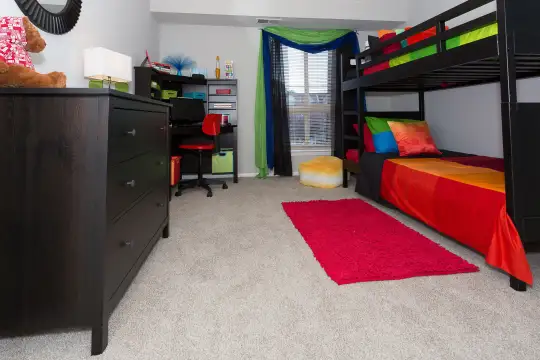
(237, 281)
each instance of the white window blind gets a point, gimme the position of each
(308, 82)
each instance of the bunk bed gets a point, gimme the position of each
(502, 46)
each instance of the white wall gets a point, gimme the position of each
(422, 10)
(466, 119)
(240, 44)
(103, 23)
(203, 43)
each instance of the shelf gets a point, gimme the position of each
(221, 95)
(350, 112)
(176, 78)
(352, 137)
(182, 79)
(167, 100)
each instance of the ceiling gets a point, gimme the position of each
(251, 21)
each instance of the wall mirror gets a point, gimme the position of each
(52, 16)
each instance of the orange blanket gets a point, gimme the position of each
(464, 202)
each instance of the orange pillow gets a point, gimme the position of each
(381, 33)
(413, 138)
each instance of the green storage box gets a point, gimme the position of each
(168, 94)
(223, 162)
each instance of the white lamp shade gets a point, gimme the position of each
(104, 64)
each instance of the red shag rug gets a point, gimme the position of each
(355, 242)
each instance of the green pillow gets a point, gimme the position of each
(383, 138)
(378, 125)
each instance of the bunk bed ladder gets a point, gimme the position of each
(351, 108)
(518, 38)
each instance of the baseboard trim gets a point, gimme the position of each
(242, 175)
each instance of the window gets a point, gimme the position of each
(308, 82)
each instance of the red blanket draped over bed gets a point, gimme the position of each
(467, 203)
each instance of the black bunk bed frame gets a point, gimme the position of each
(511, 55)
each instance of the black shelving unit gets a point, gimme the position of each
(145, 75)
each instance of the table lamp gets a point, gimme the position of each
(106, 65)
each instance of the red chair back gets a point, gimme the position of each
(212, 124)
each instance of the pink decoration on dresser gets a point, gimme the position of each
(13, 42)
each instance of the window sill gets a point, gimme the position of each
(313, 150)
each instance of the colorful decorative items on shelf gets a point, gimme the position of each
(159, 67)
(182, 64)
(218, 68)
(229, 72)
(174, 65)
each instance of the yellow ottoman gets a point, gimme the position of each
(323, 172)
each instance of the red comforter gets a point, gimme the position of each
(467, 203)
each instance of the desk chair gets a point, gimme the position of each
(211, 126)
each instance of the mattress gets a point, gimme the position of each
(466, 203)
(463, 39)
(368, 180)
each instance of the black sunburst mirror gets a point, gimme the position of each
(53, 16)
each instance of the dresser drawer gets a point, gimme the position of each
(128, 237)
(129, 180)
(133, 132)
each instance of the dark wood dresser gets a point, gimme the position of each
(84, 197)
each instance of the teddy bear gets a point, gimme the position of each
(18, 36)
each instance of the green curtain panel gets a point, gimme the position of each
(297, 36)
(260, 120)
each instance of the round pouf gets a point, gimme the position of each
(322, 172)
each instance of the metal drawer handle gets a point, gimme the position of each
(162, 128)
(131, 183)
(126, 243)
(132, 132)
(161, 162)
(160, 204)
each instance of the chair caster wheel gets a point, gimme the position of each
(209, 194)
(177, 194)
(224, 187)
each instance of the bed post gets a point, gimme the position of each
(361, 100)
(509, 106)
(341, 77)
(422, 105)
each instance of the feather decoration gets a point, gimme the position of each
(179, 62)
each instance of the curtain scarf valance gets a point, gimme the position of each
(311, 41)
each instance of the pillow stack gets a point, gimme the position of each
(392, 136)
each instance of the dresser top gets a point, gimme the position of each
(78, 92)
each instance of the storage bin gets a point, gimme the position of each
(195, 95)
(223, 162)
(175, 170)
(167, 94)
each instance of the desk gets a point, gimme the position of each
(227, 139)
(215, 99)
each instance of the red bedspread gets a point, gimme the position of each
(464, 202)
